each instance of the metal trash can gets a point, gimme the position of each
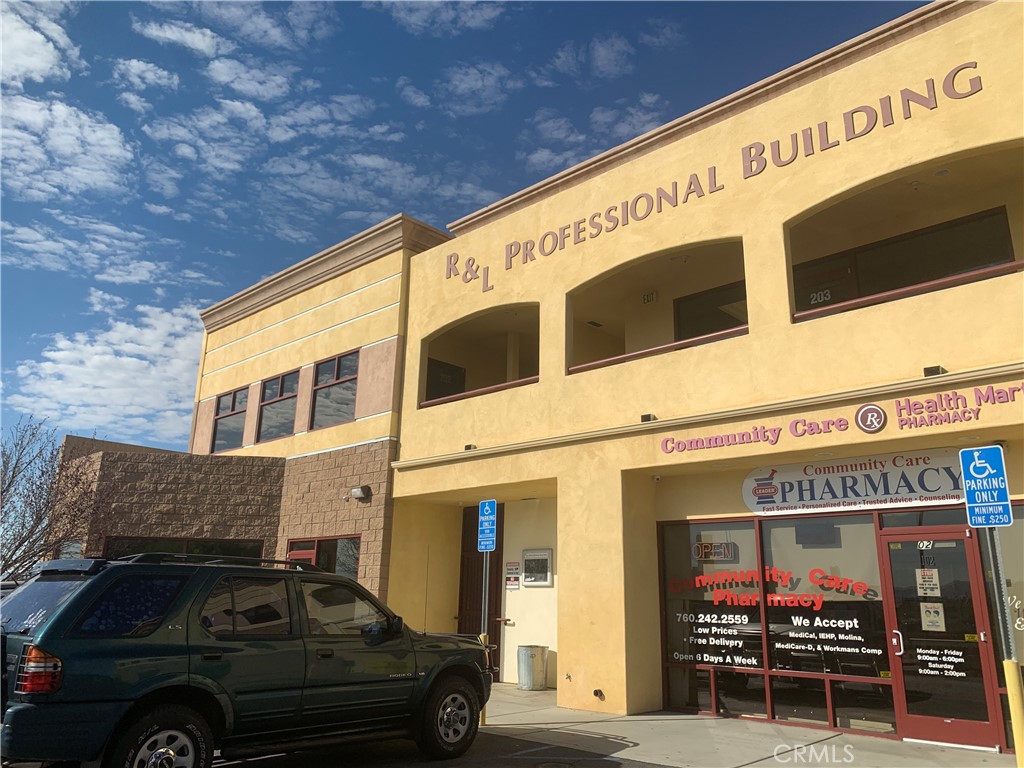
(533, 668)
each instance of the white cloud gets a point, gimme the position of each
(663, 34)
(442, 19)
(473, 89)
(92, 247)
(312, 21)
(546, 160)
(569, 60)
(553, 142)
(302, 23)
(551, 126)
(626, 121)
(348, 107)
(54, 150)
(131, 379)
(225, 137)
(249, 22)
(134, 102)
(105, 303)
(202, 42)
(603, 57)
(35, 45)
(163, 210)
(410, 94)
(137, 75)
(162, 178)
(249, 79)
(610, 56)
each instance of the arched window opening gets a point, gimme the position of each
(496, 350)
(681, 298)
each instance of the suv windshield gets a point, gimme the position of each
(33, 603)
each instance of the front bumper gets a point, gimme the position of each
(53, 731)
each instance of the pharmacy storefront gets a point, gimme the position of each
(854, 597)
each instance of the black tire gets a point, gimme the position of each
(182, 732)
(450, 719)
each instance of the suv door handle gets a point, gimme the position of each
(213, 656)
(325, 653)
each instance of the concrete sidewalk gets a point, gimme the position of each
(696, 741)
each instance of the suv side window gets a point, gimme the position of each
(244, 605)
(132, 606)
(335, 609)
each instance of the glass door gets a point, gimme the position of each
(939, 638)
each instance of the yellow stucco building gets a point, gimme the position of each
(716, 381)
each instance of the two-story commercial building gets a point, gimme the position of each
(716, 382)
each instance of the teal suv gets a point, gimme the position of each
(158, 660)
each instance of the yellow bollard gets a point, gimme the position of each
(483, 709)
(1015, 694)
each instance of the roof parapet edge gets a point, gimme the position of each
(398, 232)
(671, 130)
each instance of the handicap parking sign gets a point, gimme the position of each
(986, 491)
(487, 532)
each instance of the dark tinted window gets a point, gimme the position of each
(335, 609)
(35, 602)
(248, 606)
(718, 309)
(217, 611)
(132, 606)
(957, 247)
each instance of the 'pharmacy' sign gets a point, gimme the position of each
(910, 478)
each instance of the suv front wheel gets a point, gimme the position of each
(451, 719)
(165, 736)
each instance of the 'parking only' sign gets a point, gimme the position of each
(488, 530)
(985, 488)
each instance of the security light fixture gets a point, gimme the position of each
(469, 447)
(362, 492)
(645, 417)
(934, 370)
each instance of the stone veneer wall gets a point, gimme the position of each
(184, 495)
(316, 503)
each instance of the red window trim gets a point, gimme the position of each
(918, 289)
(218, 416)
(482, 391)
(336, 380)
(696, 341)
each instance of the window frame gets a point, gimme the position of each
(677, 329)
(311, 553)
(273, 401)
(1008, 266)
(234, 634)
(334, 382)
(235, 411)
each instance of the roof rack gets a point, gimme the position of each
(177, 557)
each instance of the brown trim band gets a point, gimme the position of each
(696, 341)
(912, 290)
(482, 391)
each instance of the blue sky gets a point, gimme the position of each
(159, 157)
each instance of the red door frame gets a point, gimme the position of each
(918, 727)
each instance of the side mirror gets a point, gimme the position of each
(397, 626)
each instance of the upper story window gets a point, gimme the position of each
(277, 406)
(334, 391)
(229, 422)
(919, 259)
(712, 311)
(659, 303)
(491, 351)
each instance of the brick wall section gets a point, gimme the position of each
(316, 503)
(180, 494)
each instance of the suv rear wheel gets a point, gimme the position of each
(451, 719)
(165, 737)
